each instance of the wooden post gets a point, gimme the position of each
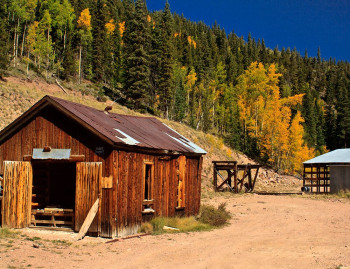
(215, 177)
(235, 178)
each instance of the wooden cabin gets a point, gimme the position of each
(59, 157)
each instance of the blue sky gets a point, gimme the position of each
(303, 24)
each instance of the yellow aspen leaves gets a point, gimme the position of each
(110, 27)
(268, 118)
(84, 21)
(121, 28)
(191, 41)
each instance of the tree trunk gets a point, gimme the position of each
(14, 47)
(80, 49)
(28, 65)
(48, 55)
(17, 37)
(64, 37)
(23, 40)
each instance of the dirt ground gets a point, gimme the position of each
(266, 231)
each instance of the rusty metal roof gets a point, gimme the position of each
(123, 130)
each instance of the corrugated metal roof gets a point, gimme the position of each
(335, 156)
(145, 132)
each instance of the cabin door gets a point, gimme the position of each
(88, 189)
(17, 194)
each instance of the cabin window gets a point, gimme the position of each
(148, 176)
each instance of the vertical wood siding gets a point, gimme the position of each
(87, 191)
(17, 194)
(122, 204)
(130, 193)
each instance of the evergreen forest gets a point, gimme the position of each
(277, 105)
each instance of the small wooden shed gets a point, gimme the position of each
(328, 173)
(59, 157)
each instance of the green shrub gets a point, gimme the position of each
(188, 224)
(214, 217)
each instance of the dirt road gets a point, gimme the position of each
(265, 232)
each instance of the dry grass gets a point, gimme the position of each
(215, 217)
(343, 196)
(6, 233)
(188, 224)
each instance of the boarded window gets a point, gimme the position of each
(180, 177)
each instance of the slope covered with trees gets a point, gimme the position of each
(276, 105)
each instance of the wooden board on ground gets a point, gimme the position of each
(88, 220)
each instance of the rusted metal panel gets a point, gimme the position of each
(17, 194)
(127, 131)
(53, 154)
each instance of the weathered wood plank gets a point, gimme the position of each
(88, 220)
(17, 194)
(88, 178)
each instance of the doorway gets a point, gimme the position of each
(53, 193)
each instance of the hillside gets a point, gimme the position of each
(273, 104)
(17, 94)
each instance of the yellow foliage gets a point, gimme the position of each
(149, 18)
(84, 21)
(32, 35)
(177, 34)
(298, 152)
(293, 100)
(110, 27)
(121, 28)
(229, 153)
(268, 118)
(191, 41)
(191, 79)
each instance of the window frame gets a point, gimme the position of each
(148, 203)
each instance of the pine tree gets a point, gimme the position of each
(4, 53)
(180, 105)
(136, 57)
(343, 115)
(310, 117)
(166, 59)
(99, 35)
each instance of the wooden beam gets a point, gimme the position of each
(27, 158)
(72, 158)
(88, 220)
